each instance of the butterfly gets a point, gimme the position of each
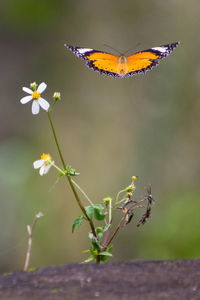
(122, 65)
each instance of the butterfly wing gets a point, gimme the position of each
(108, 64)
(103, 62)
(143, 61)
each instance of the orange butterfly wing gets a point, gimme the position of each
(141, 62)
(123, 66)
(103, 62)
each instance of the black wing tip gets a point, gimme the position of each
(171, 46)
(177, 43)
(174, 45)
(69, 46)
(167, 49)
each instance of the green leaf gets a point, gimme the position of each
(86, 251)
(90, 211)
(100, 231)
(77, 223)
(105, 253)
(95, 211)
(104, 258)
(96, 244)
(89, 259)
(69, 171)
(98, 212)
(94, 241)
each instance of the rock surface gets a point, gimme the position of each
(137, 280)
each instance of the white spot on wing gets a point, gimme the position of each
(160, 49)
(84, 50)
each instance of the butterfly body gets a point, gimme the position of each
(122, 65)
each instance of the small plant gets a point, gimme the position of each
(98, 216)
(30, 229)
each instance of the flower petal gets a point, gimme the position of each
(42, 170)
(42, 86)
(27, 90)
(26, 99)
(43, 103)
(46, 169)
(38, 163)
(35, 107)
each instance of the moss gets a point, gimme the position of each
(30, 270)
(55, 290)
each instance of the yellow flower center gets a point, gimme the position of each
(35, 95)
(45, 157)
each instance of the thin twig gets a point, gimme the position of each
(110, 213)
(83, 192)
(122, 221)
(117, 229)
(30, 229)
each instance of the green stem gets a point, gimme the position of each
(56, 140)
(69, 178)
(59, 170)
(81, 206)
(110, 213)
(83, 192)
(117, 197)
(74, 182)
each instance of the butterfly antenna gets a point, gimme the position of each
(113, 48)
(138, 44)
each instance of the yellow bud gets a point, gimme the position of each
(56, 96)
(134, 178)
(33, 86)
(107, 200)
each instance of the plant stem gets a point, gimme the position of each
(56, 140)
(81, 206)
(69, 178)
(30, 240)
(117, 197)
(74, 182)
(83, 192)
(116, 230)
(137, 205)
(110, 213)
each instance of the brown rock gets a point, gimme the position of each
(137, 280)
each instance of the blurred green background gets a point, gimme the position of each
(110, 129)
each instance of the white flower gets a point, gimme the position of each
(44, 163)
(35, 95)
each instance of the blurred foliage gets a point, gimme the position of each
(175, 233)
(29, 16)
(110, 129)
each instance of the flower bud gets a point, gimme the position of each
(107, 201)
(33, 86)
(56, 96)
